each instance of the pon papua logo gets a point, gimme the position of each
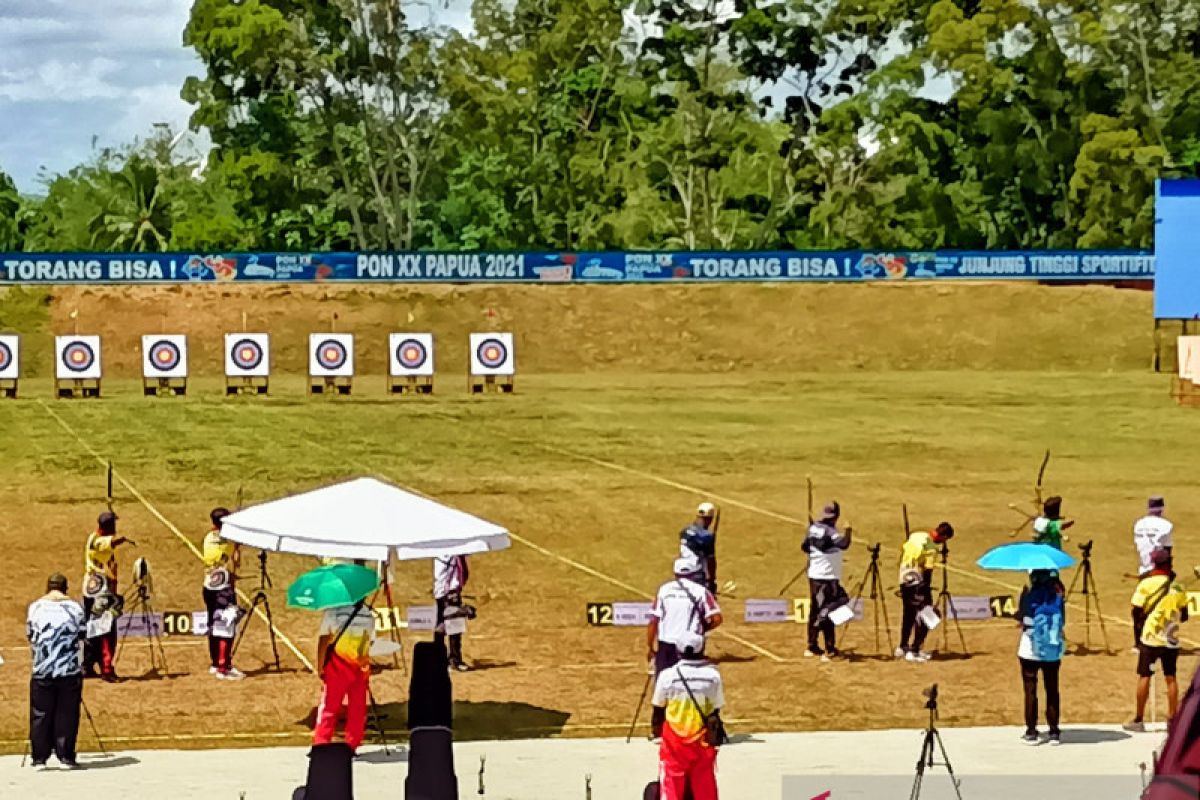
(882, 265)
(199, 268)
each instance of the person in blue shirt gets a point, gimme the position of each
(698, 544)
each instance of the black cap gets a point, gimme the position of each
(57, 582)
(107, 519)
(944, 531)
(218, 514)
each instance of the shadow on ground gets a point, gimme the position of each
(1092, 736)
(483, 721)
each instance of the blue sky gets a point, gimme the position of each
(76, 69)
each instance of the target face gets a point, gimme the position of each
(492, 354)
(166, 356)
(247, 355)
(8, 357)
(331, 355)
(78, 357)
(411, 354)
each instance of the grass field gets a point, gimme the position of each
(595, 470)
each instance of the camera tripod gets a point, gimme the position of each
(945, 604)
(143, 609)
(1091, 596)
(932, 737)
(876, 596)
(260, 599)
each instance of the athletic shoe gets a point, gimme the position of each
(1137, 726)
(234, 674)
(900, 653)
(38, 765)
(912, 658)
(460, 667)
(812, 653)
(219, 675)
(213, 670)
(109, 677)
(70, 764)
(923, 656)
(1031, 738)
(1055, 739)
(825, 659)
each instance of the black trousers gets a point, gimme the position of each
(54, 717)
(220, 650)
(914, 598)
(665, 657)
(102, 650)
(454, 648)
(1029, 679)
(823, 594)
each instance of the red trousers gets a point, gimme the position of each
(344, 682)
(687, 765)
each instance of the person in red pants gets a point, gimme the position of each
(686, 696)
(343, 647)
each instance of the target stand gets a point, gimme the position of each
(164, 387)
(330, 386)
(410, 384)
(10, 370)
(236, 386)
(76, 388)
(8, 388)
(500, 384)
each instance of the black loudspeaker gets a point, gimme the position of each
(430, 717)
(330, 774)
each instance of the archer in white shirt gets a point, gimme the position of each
(1152, 532)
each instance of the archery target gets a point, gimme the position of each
(164, 356)
(78, 357)
(492, 354)
(331, 355)
(10, 357)
(247, 355)
(411, 354)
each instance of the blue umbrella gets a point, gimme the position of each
(1025, 557)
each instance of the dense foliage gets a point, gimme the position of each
(354, 124)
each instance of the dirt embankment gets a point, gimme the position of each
(653, 328)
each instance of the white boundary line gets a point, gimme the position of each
(172, 528)
(551, 554)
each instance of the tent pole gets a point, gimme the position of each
(395, 626)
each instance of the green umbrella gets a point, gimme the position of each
(332, 585)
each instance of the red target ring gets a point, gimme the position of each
(331, 354)
(165, 356)
(492, 353)
(78, 357)
(6, 356)
(246, 354)
(411, 354)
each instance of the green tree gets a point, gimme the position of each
(10, 209)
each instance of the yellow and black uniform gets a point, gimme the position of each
(1159, 605)
(100, 559)
(916, 587)
(219, 554)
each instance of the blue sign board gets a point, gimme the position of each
(581, 267)
(1177, 244)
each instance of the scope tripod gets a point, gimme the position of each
(151, 624)
(932, 737)
(1091, 596)
(260, 599)
(945, 604)
(876, 596)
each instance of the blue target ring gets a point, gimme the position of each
(165, 356)
(246, 354)
(6, 356)
(78, 357)
(411, 354)
(331, 354)
(492, 353)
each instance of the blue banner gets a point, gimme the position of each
(1177, 292)
(583, 267)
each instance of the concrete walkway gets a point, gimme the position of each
(990, 762)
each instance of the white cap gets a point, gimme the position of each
(686, 566)
(706, 510)
(690, 641)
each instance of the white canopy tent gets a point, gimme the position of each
(363, 518)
